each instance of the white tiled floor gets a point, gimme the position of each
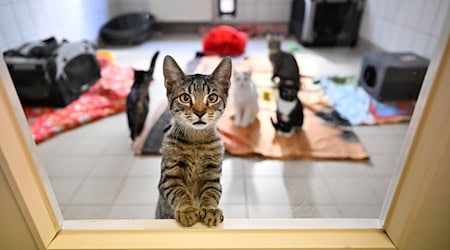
(95, 175)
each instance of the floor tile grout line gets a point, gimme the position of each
(247, 212)
(84, 180)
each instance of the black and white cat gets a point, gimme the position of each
(138, 99)
(289, 107)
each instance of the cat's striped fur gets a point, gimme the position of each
(191, 166)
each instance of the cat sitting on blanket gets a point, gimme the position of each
(289, 107)
(244, 99)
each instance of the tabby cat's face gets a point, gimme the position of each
(197, 101)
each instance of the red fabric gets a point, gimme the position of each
(104, 98)
(224, 40)
(404, 113)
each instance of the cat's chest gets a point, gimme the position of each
(285, 107)
(245, 94)
(201, 165)
(198, 156)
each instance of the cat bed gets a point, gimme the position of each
(224, 40)
(106, 97)
(393, 76)
(127, 29)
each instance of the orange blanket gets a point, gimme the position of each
(316, 140)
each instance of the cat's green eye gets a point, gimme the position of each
(213, 98)
(185, 98)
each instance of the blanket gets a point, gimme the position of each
(353, 103)
(106, 97)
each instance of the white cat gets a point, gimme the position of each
(244, 99)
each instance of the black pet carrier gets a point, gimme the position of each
(48, 73)
(393, 76)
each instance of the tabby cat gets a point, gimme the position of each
(192, 150)
(138, 99)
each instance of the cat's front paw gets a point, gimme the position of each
(211, 216)
(187, 216)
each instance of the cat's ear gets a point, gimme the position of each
(250, 71)
(172, 72)
(222, 73)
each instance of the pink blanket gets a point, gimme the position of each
(104, 98)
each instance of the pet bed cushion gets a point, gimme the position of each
(127, 29)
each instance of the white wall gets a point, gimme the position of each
(263, 11)
(259, 11)
(27, 20)
(170, 10)
(404, 25)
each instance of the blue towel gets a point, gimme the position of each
(351, 101)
